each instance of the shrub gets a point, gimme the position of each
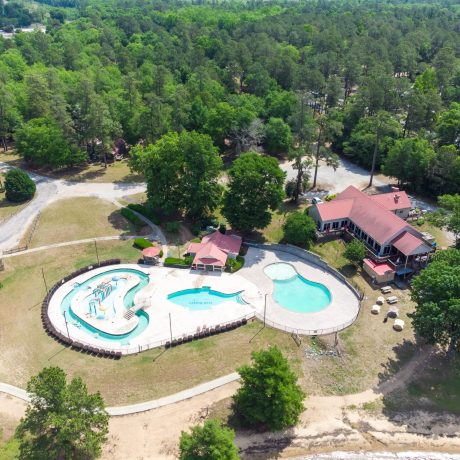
(129, 215)
(222, 228)
(186, 261)
(146, 212)
(172, 227)
(420, 221)
(142, 243)
(19, 186)
(355, 252)
(330, 197)
(161, 253)
(211, 441)
(235, 264)
(196, 240)
(299, 229)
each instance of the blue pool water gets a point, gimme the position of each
(202, 298)
(296, 293)
(128, 302)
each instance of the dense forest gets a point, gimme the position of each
(375, 81)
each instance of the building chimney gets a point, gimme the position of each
(396, 198)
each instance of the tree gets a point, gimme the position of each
(355, 251)
(19, 186)
(328, 128)
(383, 123)
(255, 187)
(182, 172)
(41, 142)
(278, 137)
(62, 420)
(299, 229)
(269, 396)
(448, 126)
(211, 441)
(450, 211)
(410, 161)
(436, 292)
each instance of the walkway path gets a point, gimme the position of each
(144, 406)
(49, 190)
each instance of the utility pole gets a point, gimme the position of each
(97, 253)
(44, 280)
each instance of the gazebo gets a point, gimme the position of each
(151, 255)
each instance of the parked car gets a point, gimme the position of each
(316, 200)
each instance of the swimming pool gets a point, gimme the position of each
(294, 292)
(203, 298)
(128, 301)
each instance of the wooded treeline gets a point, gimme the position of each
(357, 78)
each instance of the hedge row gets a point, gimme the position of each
(131, 217)
(145, 211)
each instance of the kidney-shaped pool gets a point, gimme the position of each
(294, 292)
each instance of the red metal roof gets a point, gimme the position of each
(381, 268)
(368, 214)
(226, 243)
(410, 245)
(210, 254)
(154, 251)
(393, 200)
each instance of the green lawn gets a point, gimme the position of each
(77, 219)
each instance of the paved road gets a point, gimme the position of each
(49, 190)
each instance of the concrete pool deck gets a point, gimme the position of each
(163, 281)
(167, 318)
(341, 312)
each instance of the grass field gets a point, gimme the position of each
(94, 172)
(368, 349)
(79, 218)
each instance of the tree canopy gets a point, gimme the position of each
(355, 251)
(436, 291)
(62, 420)
(255, 187)
(299, 229)
(182, 172)
(269, 395)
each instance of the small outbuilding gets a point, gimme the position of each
(380, 272)
(151, 255)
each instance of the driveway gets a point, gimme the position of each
(345, 175)
(49, 190)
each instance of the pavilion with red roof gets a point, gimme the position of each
(213, 250)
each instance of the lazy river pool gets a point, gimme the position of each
(116, 281)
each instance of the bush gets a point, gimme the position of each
(186, 261)
(330, 197)
(146, 212)
(269, 396)
(299, 229)
(19, 186)
(235, 264)
(131, 217)
(211, 441)
(142, 243)
(172, 227)
(420, 221)
(355, 252)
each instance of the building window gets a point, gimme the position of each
(377, 248)
(352, 226)
(343, 223)
(386, 250)
(327, 226)
(335, 225)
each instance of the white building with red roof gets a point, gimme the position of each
(213, 250)
(375, 220)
